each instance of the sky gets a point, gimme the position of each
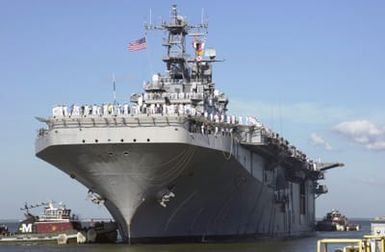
(313, 71)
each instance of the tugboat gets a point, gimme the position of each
(335, 221)
(56, 225)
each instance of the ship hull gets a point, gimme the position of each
(194, 186)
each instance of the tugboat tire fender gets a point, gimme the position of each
(91, 235)
(62, 239)
(80, 238)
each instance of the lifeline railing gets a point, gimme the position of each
(370, 243)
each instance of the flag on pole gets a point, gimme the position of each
(137, 45)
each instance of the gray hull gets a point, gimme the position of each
(221, 188)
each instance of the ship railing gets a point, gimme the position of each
(153, 86)
(169, 81)
(115, 121)
(63, 115)
(174, 97)
(125, 110)
(369, 243)
(94, 220)
(202, 124)
(194, 124)
(183, 97)
(159, 82)
(124, 120)
(353, 244)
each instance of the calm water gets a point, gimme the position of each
(305, 244)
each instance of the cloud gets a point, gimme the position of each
(317, 140)
(363, 132)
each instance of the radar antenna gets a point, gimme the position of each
(177, 29)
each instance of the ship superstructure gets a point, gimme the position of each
(174, 165)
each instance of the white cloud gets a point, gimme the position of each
(363, 132)
(379, 145)
(317, 140)
(359, 128)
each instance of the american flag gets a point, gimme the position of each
(137, 45)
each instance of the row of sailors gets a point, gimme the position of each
(96, 110)
(184, 109)
(125, 109)
(172, 109)
(188, 109)
(209, 129)
(293, 151)
(172, 96)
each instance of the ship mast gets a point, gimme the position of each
(176, 57)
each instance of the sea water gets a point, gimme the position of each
(303, 244)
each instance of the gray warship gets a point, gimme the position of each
(171, 164)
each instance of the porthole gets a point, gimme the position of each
(148, 139)
(83, 141)
(134, 140)
(122, 140)
(96, 140)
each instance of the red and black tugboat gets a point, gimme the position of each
(57, 225)
(53, 220)
(335, 221)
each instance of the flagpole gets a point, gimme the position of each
(202, 16)
(148, 53)
(150, 17)
(114, 87)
